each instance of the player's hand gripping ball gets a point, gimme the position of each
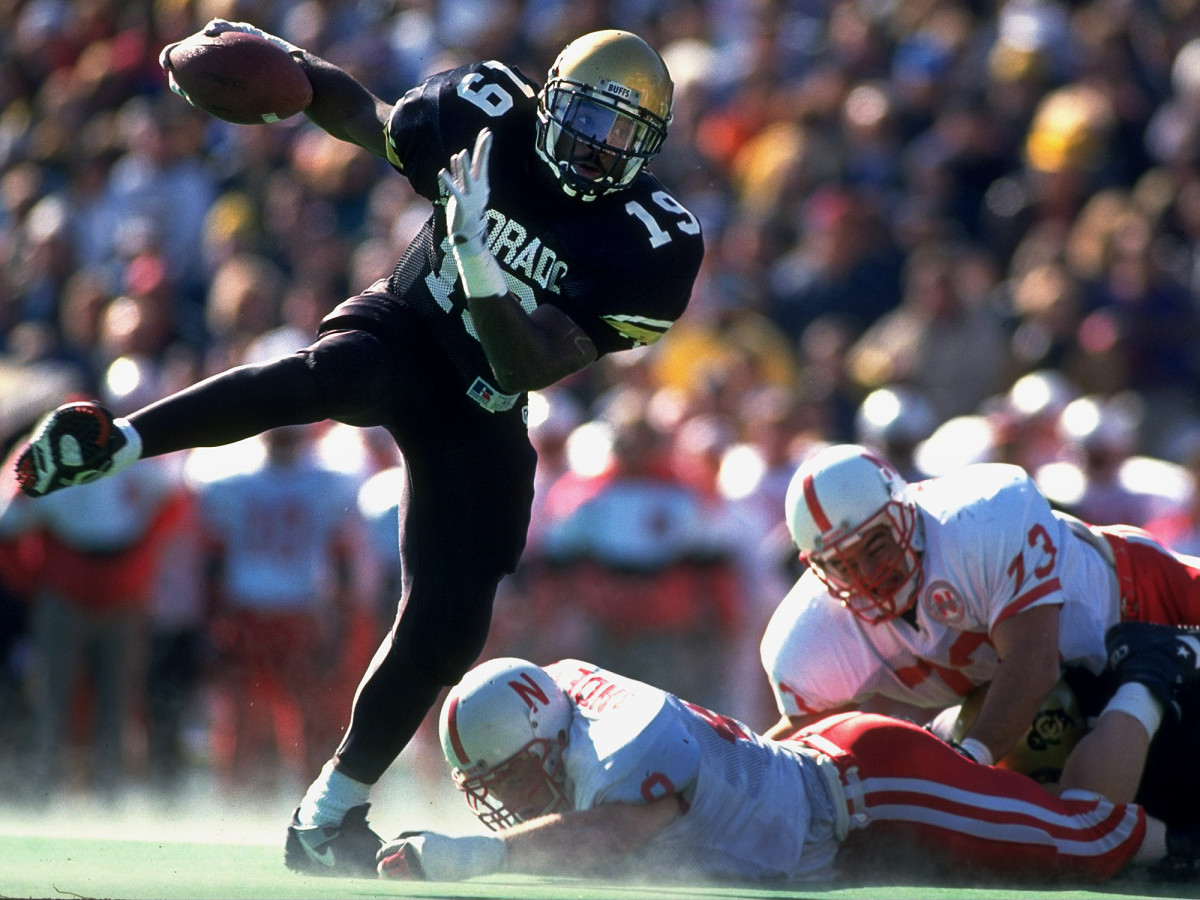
(239, 76)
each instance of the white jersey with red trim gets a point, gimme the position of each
(755, 808)
(278, 527)
(992, 548)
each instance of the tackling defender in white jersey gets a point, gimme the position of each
(582, 771)
(918, 593)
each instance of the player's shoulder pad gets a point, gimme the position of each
(659, 201)
(444, 113)
(975, 488)
(661, 249)
(806, 612)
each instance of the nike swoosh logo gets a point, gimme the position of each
(321, 853)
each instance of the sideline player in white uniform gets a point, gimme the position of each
(285, 539)
(584, 771)
(918, 593)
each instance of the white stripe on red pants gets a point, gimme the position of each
(912, 798)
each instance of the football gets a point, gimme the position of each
(239, 77)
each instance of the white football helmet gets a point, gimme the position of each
(503, 729)
(604, 112)
(836, 497)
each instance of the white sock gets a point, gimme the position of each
(1135, 700)
(330, 797)
(131, 452)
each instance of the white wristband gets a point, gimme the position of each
(446, 858)
(978, 751)
(480, 273)
(1134, 699)
(131, 452)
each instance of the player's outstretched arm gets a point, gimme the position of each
(1027, 644)
(340, 105)
(574, 841)
(586, 839)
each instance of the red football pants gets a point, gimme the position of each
(268, 697)
(913, 800)
(1156, 585)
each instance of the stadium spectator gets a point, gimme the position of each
(241, 306)
(942, 340)
(160, 187)
(1100, 477)
(555, 760)
(1046, 308)
(1152, 318)
(95, 553)
(843, 263)
(647, 560)
(829, 397)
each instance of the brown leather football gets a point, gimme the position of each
(240, 77)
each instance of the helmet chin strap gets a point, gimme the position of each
(913, 587)
(908, 611)
(918, 535)
(906, 608)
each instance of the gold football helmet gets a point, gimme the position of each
(603, 113)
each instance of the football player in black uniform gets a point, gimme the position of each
(549, 245)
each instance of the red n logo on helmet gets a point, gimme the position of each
(529, 691)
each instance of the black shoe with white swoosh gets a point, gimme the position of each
(343, 851)
(1164, 658)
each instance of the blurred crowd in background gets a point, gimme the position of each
(956, 230)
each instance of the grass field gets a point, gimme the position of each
(43, 866)
(205, 844)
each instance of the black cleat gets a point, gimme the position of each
(1163, 658)
(73, 445)
(341, 851)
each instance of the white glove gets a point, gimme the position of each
(429, 856)
(466, 182)
(164, 60)
(213, 28)
(219, 26)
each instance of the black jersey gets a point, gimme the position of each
(620, 266)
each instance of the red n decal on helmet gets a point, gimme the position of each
(530, 691)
